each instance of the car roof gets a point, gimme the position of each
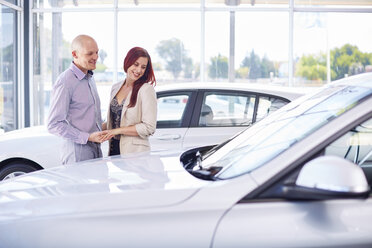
(363, 80)
(284, 91)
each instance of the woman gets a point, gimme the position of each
(131, 118)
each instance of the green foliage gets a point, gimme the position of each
(100, 67)
(242, 72)
(347, 60)
(219, 67)
(313, 72)
(258, 68)
(312, 67)
(267, 66)
(172, 51)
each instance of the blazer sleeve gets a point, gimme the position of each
(148, 111)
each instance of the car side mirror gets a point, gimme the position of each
(328, 177)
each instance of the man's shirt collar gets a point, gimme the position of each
(78, 73)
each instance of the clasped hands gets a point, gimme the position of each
(102, 136)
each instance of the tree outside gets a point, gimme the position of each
(219, 67)
(345, 61)
(349, 60)
(258, 68)
(175, 56)
(312, 67)
(242, 72)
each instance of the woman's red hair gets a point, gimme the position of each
(148, 76)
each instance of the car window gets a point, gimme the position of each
(267, 105)
(356, 146)
(171, 110)
(262, 143)
(221, 109)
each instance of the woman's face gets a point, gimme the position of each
(137, 70)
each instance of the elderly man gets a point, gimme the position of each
(75, 112)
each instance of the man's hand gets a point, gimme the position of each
(99, 137)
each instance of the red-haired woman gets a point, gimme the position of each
(131, 118)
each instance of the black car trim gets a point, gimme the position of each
(197, 108)
(186, 118)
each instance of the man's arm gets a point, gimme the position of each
(57, 120)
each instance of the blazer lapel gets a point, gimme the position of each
(115, 91)
(125, 105)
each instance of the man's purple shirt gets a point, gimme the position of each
(75, 109)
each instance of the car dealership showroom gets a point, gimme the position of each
(186, 123)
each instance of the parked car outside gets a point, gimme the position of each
(300, 177)
(181, 122)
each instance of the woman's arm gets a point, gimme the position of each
(147, 126)
(128, 131)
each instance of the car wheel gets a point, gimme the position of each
(15, 169)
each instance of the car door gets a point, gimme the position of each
(270, 220)
(173, 119)
(220, 114)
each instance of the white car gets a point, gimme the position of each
(181, 122)
(299, 178)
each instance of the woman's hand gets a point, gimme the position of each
(99, 137)
(111, 133)
(128, 131)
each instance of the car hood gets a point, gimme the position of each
(110, 184)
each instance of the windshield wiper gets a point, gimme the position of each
(206, 174)
(195, 168)
(198, 161)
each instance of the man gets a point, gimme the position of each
(75, 112)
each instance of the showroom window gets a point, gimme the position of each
(331, 46)
(53, 33)
(289, 43)
(8, 66)
(174, 46)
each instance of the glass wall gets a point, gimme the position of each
(173, 43)
(8, 68)
(283, 42)
(261, 46)
(330, 46)
(53, 34)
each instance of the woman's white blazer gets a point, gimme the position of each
(142, 116)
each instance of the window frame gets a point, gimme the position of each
(190, 105)
(200, 100)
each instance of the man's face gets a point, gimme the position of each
(86, 56)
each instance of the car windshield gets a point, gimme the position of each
(268, 139)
